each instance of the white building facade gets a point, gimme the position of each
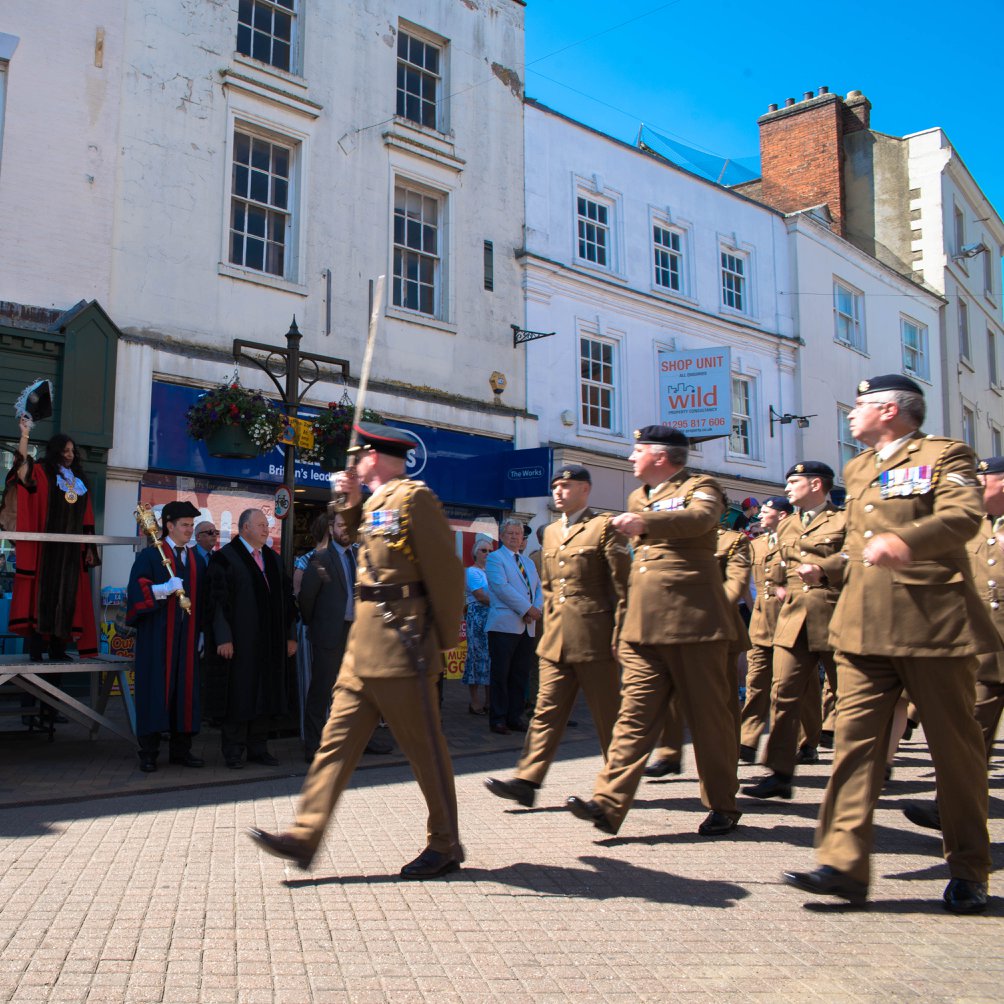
(628, 256)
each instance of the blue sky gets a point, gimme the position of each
(701, 73)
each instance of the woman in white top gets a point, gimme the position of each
(477, 671)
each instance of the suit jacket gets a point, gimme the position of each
(807, 606)
(733, 554)
(404, 539)
(585, 576)
(927, 494)
(509, 594)
(764, 558)
(986, 555)
(675, 593)
(324, 593)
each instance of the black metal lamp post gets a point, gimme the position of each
(296, 367)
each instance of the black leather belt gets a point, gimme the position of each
(399, 591)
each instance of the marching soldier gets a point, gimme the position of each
(908, 617)
(584, 572)
(409, 600)
(808, 583)
(675, 636)
(733, 557)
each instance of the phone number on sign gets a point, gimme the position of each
(700, 423)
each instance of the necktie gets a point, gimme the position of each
(526, 579)
(565, 525)
(350, 581)
(260, 562)
(772, 540)
(999, 524)
(180, 552)
(806, 518)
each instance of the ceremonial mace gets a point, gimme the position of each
(148, 522)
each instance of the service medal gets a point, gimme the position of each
(70, 495)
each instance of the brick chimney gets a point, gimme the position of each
(802, 151)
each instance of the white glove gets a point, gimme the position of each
(161, 590)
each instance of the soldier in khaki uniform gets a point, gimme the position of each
(584, 573)
(675, 636)
(807, 580)
(908, 616)
(733, 557)
(409, 601)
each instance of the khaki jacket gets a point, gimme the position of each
(764, 557)
(404, 538)
(934, 504)
(808, 606)
(675, 594)
(986, 556)
(733, 554)
(585, 577)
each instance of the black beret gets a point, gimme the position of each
(178, 510)
(992, 465)
(811, 469)
(572, 472)
(778, 502)
(383, 439)
(660, 435)
(889, 381)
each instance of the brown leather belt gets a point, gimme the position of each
(398, 591)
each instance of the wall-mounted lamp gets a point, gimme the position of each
(802, 421)
(970, 251)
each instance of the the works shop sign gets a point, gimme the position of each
(695, 392)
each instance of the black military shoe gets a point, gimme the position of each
(662, 767)
(827, 881)
(924, 814)
(590, 812)
(517, 790)
(747, 754)
(282, 845)
(807, 754)
(771, 786)
(963, 896)
(430, 864)
(717, 824)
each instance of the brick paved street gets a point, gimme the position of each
(159, 896)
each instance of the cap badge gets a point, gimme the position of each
(863, 387)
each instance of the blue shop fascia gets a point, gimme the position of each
(476, 477)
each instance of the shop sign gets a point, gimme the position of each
(695, 392)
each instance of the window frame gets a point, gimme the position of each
(850, 443)
(441, 199)
(996, 440)
(743, 253)
(922, 350)
(859, 344)
(993, 358)
(4, 76)
(990, 264)
(753, 431)
(276, 6)
(606, 227)
(680, 233)
(964, 330)
(959, 235)
(585, 383)
(421, 36)
(968, 425)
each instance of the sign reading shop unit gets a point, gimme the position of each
(695, 394)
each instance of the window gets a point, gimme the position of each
(596, 383)
(848, 307)
(734, 281)
(965, 345)
(265, 31)
(741, 441)
(261, 217)
(489, 264)
(594, 231)
(915, 357)
(847, 446)
(419, 80)
(996, 441)
(992, 357)
(960, 230)
(667, 246)
(988, 272)
(969, 426)
(3, 97)
(417, 255)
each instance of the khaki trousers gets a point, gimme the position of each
(651, 675)
(356, 707)
(989, 705)
(756, 709)
(943, 690)
(559, 686)
(795, 697)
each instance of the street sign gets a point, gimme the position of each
(283, 502)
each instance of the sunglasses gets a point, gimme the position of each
(208, 533)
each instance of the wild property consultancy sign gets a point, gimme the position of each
(695, 392)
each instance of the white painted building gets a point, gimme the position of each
(207, 171)
(856, 318)
(628, 255)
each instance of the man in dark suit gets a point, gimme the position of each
(327, 606)
(253, 621)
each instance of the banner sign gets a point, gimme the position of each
(695, 392)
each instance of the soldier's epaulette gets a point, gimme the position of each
(734, 546)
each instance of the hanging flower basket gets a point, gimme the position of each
(332, 433)
(235, 422)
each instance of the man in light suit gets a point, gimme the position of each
(517, 602)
